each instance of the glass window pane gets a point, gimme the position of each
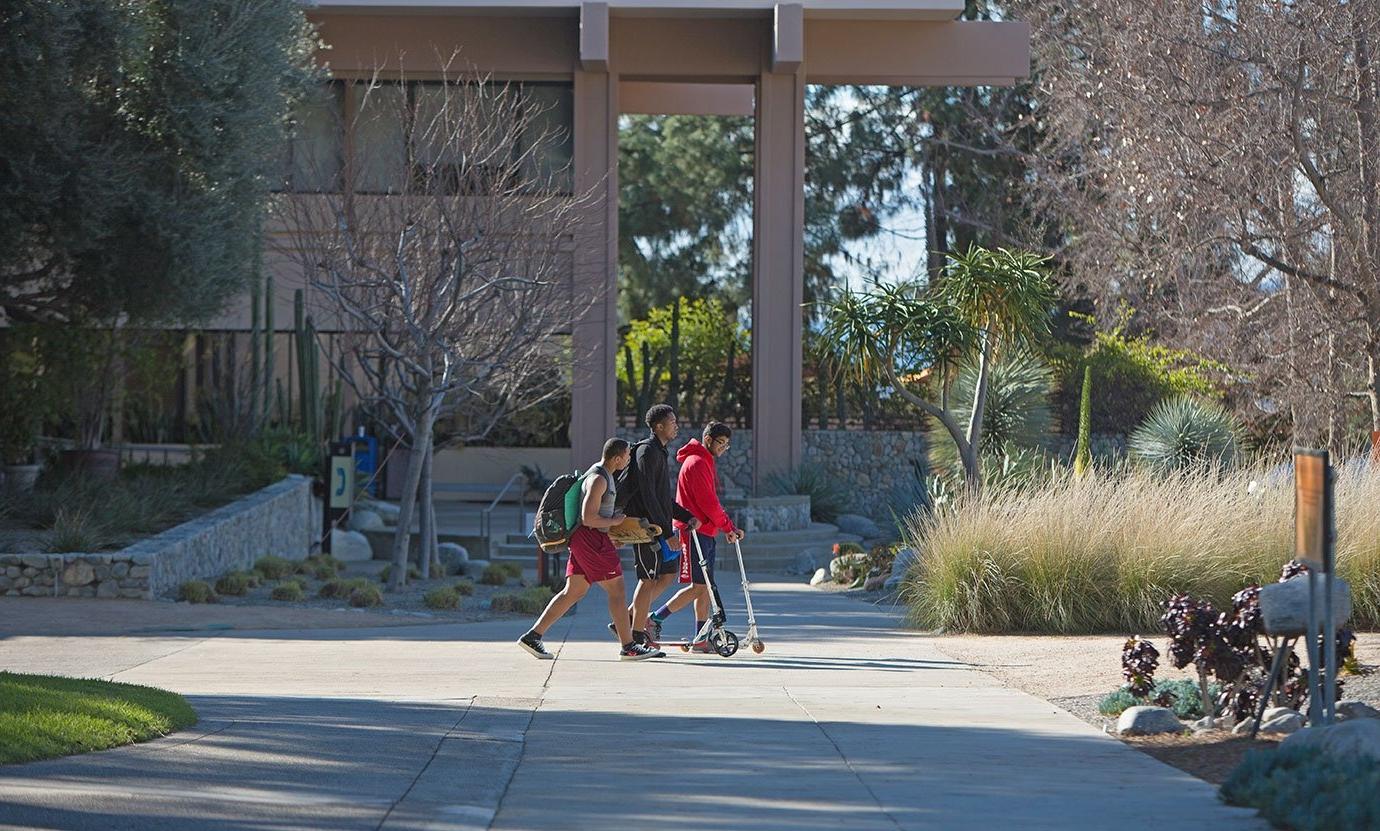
(550, 131)
(379, 152)
(316, 144)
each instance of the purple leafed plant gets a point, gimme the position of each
(1139, 660)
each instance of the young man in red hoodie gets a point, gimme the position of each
(697, 491)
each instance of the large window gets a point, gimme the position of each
(380, 152)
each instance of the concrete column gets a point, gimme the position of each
(778, 273)
(594, 336)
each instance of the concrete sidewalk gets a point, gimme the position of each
(845, 722)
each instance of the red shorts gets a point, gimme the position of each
(592, 556)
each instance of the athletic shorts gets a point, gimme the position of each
(693, 574)
(592, 556)
(650, 563)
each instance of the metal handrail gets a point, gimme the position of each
(484, 515)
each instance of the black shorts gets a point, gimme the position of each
(649, 562)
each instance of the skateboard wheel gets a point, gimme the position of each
(684, 647)
(758, 647)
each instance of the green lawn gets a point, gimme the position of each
(43, 716)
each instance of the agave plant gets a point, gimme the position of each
(1186, 432)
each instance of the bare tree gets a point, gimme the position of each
(447, 253)
(1215, 164)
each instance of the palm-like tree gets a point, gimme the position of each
(985, 300)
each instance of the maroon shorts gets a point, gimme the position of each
(592, 556)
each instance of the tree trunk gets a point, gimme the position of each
(1373, 384)
(973, 457)
(402, 536)
(427, 526)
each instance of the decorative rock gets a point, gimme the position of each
(1284, 606)
(119, 570)
(139, 571)
(858, 525)
(1243, 727)
(362, 519)
(906, 558)
(108, 588)
(33, 591)
(1205, 724)
(12, 572)
(1272, 713)
(350, 546)
(1354, 708)
(103, 572)
(821, 576)
(453, 553)
(1289, 723)
(23, 582)
(387, 510)
(1147, 721)
(35, 561)
(1353, 740)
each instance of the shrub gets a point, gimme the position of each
(275, 568)
(528, 602)
(321, 566)
(1186, 432)
(288, 590)
(1129, 377)
(829, 492)
(366, 597)
(494, 575)
(442, 597)
(1305, 789)
(1180, 695)
(413, 573)
(236, 583)
(337, 587)
(196, 591)
(76, 529)
(465, 587)
(513, 570)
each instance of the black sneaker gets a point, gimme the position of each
(532, 643)
(639, 652)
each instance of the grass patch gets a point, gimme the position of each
(42, 717)
(495, 575)
(442, 597)
(366, 597)
(275, 568)
(76, 530)
(337, 587)
(528, 601)
(288, 590)
(1103, 553)
(196, 591)
(413, 573)
(464, 587)
(235, 584)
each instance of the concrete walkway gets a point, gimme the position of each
(846, 722)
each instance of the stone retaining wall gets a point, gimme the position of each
(274, 520)
(875, 464)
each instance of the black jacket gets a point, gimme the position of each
(645, 487)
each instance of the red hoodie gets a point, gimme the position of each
(696, 490)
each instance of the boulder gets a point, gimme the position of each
(108, 588)
(906, 559)
(1243, 727)
(350, 546)
(387, 510)
(1205, 724)
(858, 525)
(1272, 713)
(78, 573)
(1148, 721)
(363, 519)
(1284, 606)
(1355, 739)
(453, 554)
(821, 576)
(35, 561)
(1355, 708)
(1290, 722)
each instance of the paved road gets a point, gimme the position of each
(846, 722)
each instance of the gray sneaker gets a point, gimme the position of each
(532, 643)
(639, 652)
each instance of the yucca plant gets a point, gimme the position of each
(1017, 415)
(1186, 432)
(1082, 455)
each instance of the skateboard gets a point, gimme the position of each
(633, 530)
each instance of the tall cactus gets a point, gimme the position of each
(255, 368)
(269, 332)
(308, 369)
(1082, 457)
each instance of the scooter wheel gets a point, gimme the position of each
(727, 645)
(759, 647)
(685, 647)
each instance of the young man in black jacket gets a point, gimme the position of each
(646, 489)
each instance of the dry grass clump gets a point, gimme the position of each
(1103, 553)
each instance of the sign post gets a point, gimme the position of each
(340, 488)
(1315, 534)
